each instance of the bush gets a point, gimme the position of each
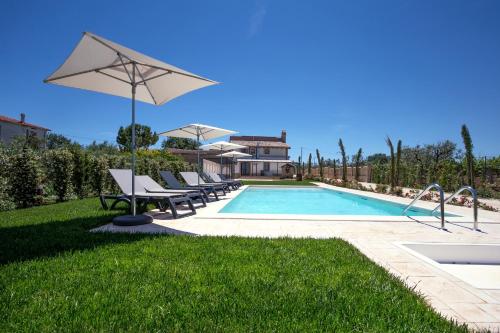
(25, 174)
(59, 170)
(80, 173)
(98, 173)
(381, 188)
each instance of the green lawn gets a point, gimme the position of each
(279, 182)
(56, 276)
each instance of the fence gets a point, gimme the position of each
(365, 173)
(210, 166)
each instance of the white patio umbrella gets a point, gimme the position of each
(222, 146)
(234, 155)
(197, 131)
(100, 65)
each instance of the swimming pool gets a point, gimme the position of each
(313, 201)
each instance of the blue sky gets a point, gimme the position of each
(359, 70)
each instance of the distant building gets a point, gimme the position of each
(269, 156)
(11, 128)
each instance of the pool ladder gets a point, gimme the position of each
(441, 201)
(474, 200)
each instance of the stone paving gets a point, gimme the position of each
(376, 237)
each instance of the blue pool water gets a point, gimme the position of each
(313, 201)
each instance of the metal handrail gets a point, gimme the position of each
(441, 201)
(473, 192)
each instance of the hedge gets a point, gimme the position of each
(29, 178)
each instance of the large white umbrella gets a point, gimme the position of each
(197, 132)
(222, 146)
(103, 66)
(234, 155)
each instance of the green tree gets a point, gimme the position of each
(398, 162)
(357, 162)
(144, 137)
(102, 148)
(393, 162)
(56, 141)
(180, 143)
(320, 163)
(309, 164)
(469, 156)
(344, 160)
(25, 176)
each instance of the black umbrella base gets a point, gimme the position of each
(130, 220)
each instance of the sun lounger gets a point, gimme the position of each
(216, 179)
(173, 183)
(153, 187)
(123, 178)
(233, 180)
(191, 179)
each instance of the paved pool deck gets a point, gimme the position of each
(375, 236)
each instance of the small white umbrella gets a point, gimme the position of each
(100, 65)
(222, 145)
(197, 131)
(234, 155)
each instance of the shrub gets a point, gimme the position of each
(98, 172)
(59, 169)
(80, 173)
(381, 188)
(25, 175)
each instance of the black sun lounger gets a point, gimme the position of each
(123, 178)
(172, 182)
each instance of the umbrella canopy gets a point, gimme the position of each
(103, 66)
(222, 145)
(234, 154)
(197, 131)
(100, 65)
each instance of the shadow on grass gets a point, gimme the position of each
(47, 238)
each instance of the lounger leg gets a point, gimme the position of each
(104, 204)
(117, 201)
(204, 203)
(215, 194)
(172, 208)
(191, 206)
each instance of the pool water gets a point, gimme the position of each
(313, 201)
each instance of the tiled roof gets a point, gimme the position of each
(18, 122)
(270, 144)
(254, 138)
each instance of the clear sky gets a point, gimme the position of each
(359, 70)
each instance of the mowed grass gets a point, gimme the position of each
(56, 276)
(279, 182)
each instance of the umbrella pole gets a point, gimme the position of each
(133, 219)
(221, 161)
(133, 207)
(198, 150)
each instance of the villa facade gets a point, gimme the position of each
(11, 128)
(269, 157)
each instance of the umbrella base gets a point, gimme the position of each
(130, 220)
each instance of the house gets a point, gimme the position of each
(269, 156)
(11, 128)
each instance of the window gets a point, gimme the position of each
(267, 166)
(266, 151)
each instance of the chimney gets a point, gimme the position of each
(283, 136)
(23, 117)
